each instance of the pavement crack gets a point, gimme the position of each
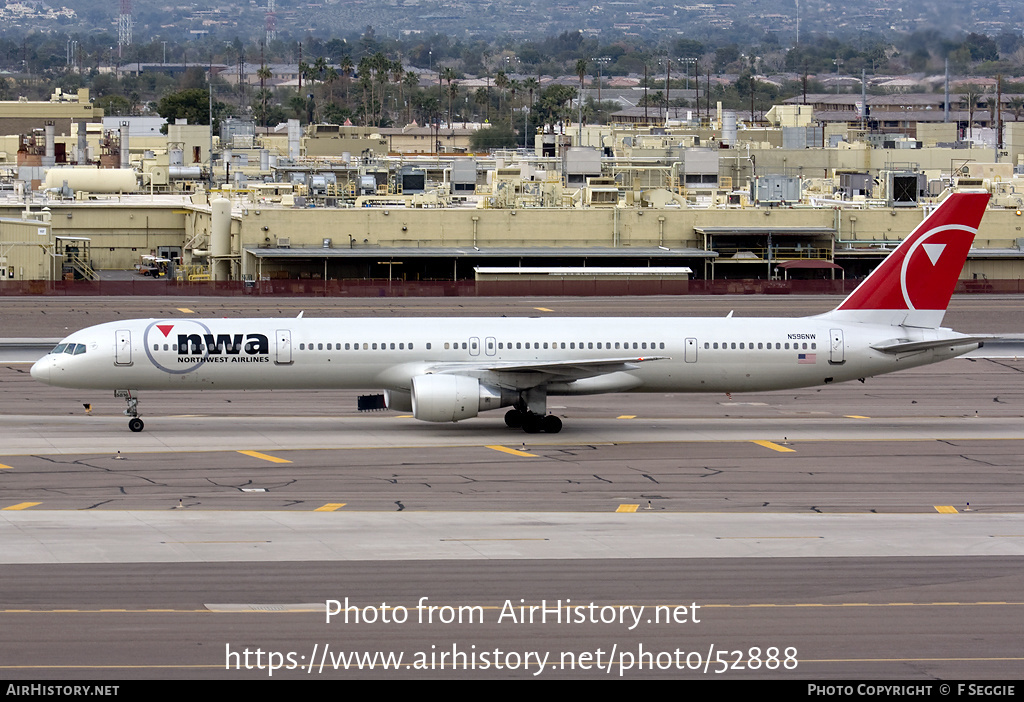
(1006, 365)
(978, 460)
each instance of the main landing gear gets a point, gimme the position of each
(533, 423)
(135, 423)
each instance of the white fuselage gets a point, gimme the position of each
(667, 354)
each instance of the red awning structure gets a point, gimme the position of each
(809, 264)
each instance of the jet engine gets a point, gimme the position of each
(449, 398)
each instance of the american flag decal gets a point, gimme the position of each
(807, 358)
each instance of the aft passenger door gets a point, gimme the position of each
(837, 350)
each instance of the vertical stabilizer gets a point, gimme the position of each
(914, 283)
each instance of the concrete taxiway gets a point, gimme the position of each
(876, 530)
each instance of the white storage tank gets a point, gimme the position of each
(220, 238)
(93, 180)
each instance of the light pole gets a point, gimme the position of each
(685, 62)
(600, 66)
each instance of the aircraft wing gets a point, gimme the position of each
(552, 371)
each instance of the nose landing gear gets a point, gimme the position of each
(135, 423)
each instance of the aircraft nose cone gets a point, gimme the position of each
(41, 370)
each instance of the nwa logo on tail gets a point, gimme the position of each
(196, 344)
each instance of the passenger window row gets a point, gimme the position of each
(356, 346)
(760, 345)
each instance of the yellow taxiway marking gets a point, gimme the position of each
(3, 467)
(946, 509)
(22, 505)
(774, 446)
(543, 309)
(514, 452)
(855, 416)
(626, 416)
(628, 508)
(264, 457)
(186, 310)
(330, 507)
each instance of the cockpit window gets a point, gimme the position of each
(59, 348)
(79, 349)
(70, 348)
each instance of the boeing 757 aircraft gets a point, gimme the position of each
(449, 369)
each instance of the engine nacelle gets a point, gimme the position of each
(449, 398)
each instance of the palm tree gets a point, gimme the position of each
(346, 71)
(298, 105)
(363, 71)
(531, 84)
(1016, 107)
(448, 74)
(381, 65)
(969, 96)
(261, 105)
(330, 77)
(410, 81)
(453, 92)
(481, 98)
(501, 83)
(265, 74)
(581, 71)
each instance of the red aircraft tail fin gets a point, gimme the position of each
(914, 283)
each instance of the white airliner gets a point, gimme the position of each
(449, 369)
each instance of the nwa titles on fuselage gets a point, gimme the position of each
(449, 369)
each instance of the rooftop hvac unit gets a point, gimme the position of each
(284, 242)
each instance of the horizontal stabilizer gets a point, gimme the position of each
(908, 346)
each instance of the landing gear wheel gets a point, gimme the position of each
(533, 424)
(514, 419)
(135, 424)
